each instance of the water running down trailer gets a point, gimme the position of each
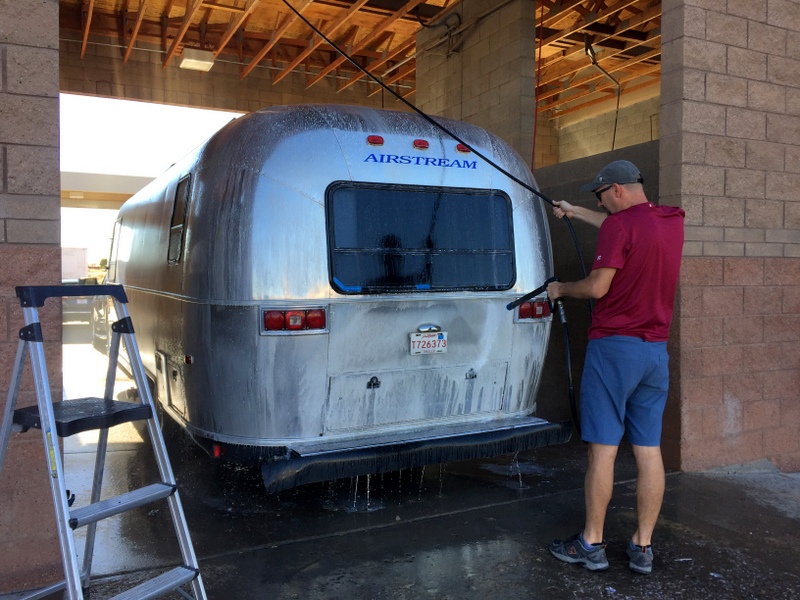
(323, 289)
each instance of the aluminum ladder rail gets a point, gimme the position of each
(63, 419)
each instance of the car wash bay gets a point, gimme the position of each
(475, 529)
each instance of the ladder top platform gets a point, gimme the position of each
(35, 295)
(84, 414)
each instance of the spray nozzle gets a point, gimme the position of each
(557, 305)
(532, 294)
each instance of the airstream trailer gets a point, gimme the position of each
(323, 290)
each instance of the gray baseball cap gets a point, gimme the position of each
(619, 171)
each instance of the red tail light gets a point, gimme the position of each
(273, 320)
(463, 148)
(421, 144)
(375, 140)
(315, 319)
(534, 310)
(294, 320)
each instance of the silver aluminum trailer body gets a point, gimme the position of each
(275, 328)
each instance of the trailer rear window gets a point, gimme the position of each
(401, 239)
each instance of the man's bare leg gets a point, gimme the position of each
(649, 491)
(599, 485)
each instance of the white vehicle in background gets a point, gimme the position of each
(323, 289)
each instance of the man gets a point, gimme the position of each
(625, 376)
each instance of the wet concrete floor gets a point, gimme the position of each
(468, 530)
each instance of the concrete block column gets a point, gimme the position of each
(479, 66)
(29, 254)
(730, 155)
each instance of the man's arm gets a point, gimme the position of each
(562, 208)
(593, 287)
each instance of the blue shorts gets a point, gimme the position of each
(624, 389)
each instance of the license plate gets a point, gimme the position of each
(428, 343)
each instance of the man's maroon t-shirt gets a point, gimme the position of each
(644, 243)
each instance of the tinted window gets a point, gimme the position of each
(178, 220)
(402, 238)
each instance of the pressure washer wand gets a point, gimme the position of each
(531, 294)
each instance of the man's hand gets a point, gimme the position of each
(562, 208)
(554, 290)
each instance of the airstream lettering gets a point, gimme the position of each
(422, 160)
(325, 314)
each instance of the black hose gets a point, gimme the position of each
(573, 403)
(557, 307)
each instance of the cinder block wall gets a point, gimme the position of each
(487, 75)
(101, 72)
(30, 253)
(730, 155)
(636, 124)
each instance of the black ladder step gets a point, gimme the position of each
(119, 504)
(158, 586)
(84, 414)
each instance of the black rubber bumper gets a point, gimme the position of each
(301, 469)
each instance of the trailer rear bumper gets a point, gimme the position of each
(310, 465)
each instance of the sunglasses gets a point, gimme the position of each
(599, 192)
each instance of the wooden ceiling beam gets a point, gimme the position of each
(342, 19)
(276, 36)
(440, 17)
(386, 38)
(167, 8)
(135, 32)
(609, 88)
(347, 40)
(86, 15)
(402, 74)
(572, 67)
(378, 63)
(581, 25)
(225, 7)
(586, 81)
(235, 24)
(652, 13)
(559, 11)
(605, 86)
(406, 73)
(368, 40)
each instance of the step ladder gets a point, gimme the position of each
(62, 419)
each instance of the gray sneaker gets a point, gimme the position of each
(641, 559)
(572, 551)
